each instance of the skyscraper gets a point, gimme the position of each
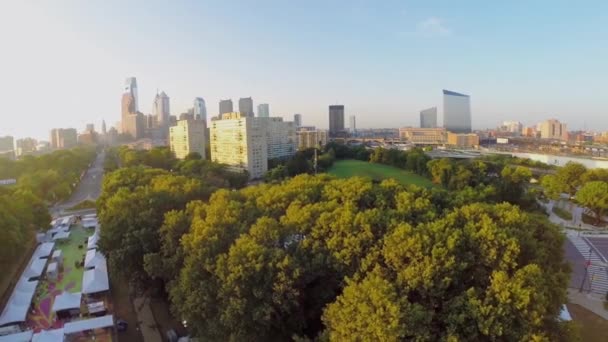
(103, 127)
(297, 120)
(7, 143)
(263, 110)
(352, 124)
(553, 129)
(131, 88)
(162, 110)
(246, 106)
(336, 120)
(200, 110)
(456, 112)
(428, 118)
(225, 107)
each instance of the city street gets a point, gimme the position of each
(89, 187)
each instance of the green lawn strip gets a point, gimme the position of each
(350, 168)
(562, 213)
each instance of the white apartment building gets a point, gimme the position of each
(240, 142)
(280, 137)
(186, 137)
(308, 138)
(553, 129)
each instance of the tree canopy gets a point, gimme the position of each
(594, 196)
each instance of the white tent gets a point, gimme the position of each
(52, 272)
(96, 280)
(35, 268)
(67, 301)
(57, 256)
(90, 216)
(90, 223)
(55, 335)
(25, 336)
(94, 259)
(19, 302)
(89, 324)
(62, 235)
(43, 250)
(92, 241)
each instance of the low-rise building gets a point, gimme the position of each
(463, 140)
(423, 136)
(186, 137)
(309, 138)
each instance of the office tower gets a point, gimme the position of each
(246, 106)
(103, 127)
(199, 109)
(553, 129)
(63, 138)
(25, 146)
(310, 138)
(186, 137)
(456, 112)
(463, 140)
(162, 110)
(428, 118)
(90, 128)
(239, 141)
(131, 89)
(336, 120)
(263, 110)
(423, 136)
(281, 140)
(297, 120)
(352, 124)
(225, 107)
(7, 143)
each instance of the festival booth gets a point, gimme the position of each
(52, 271)
(62, 235)
(96, 280)
(43, 250)
(94, 259)
(24, 336)
(92, 241)
(18, 304)
(67, 305)
(88, 325)
(57, 257)
(90, 223)
(55, 335)
(34, 269)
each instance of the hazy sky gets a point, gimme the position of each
(63, 63)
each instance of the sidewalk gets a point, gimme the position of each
(590, 303)
(147, 324)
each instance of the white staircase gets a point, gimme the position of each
(597, 274)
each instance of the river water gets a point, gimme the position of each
(562, 160)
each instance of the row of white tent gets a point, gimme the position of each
(95, 277)
(20, 300)
(57, 335)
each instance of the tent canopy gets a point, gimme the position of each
(43, 250)
(57, 254)
(62, 235)
(67, 301)
(96, 280)
(18, 337)
(55, 335)
(35, 268)
(89, 324)
(92, 241)
(94, 259)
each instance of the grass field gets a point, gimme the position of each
(351, 168)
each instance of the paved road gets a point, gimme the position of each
(577, 262)
(89, 187)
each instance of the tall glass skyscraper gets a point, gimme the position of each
(428, 118)
(131, 89)
(336, 120)
(456, 112)
(225, 107)
(199, 109)
(246, 106)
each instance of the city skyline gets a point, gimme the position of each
(84, 68)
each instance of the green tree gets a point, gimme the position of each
(594, 196)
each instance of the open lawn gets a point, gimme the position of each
(351, 168)
(593, 327)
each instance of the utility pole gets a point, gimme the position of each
(315, 161)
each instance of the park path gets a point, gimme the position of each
(145, 318)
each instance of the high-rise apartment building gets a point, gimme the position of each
(240, 142)
(62, 138)
(246, 106)
(103, 127)
(309, 138)
(297, 120)
(281, 139)
(25, 146)
(7, 143)
(161, 109)
(513, 127)
(225, 107)
(131, 119)
(553, 129)
(131, 89)
(352, 124)
(186, 137)
(200, 109)
(423, 136)
(428, 118)
(336, 120)
(263, 110)
(456, 112)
